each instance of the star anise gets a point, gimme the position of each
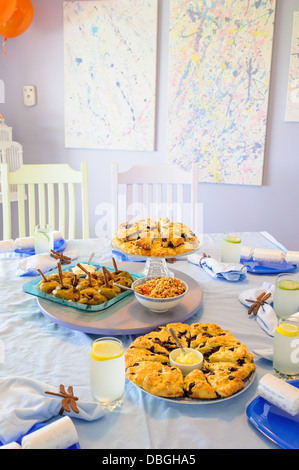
(256, 304)
(68, 399)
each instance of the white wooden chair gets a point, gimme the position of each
(155, 191)
(46, 184)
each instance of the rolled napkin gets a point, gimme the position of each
(7, 246)
(60, 434)
(25, 402)
(28, 266)
(265, 316)
(216, 269)
(246, 252)
(11, 445)
(274, 256)
(292, 257)
(282, 394)
(27, 243)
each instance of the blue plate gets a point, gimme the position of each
(279, 426)
(59, 245)
(37, 426)
(265, 267)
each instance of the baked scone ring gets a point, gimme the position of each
(227, 362)
(162, 238)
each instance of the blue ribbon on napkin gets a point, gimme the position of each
(218, 270)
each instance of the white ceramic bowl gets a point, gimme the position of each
(157, 305)
(186, 368)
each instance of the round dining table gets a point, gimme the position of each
(38, 342)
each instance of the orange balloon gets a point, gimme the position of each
(6, 9)
(20, 20)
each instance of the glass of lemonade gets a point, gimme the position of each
(286, 295)
(107, 371)
(286, 349)
(231, 248)
(43, 239)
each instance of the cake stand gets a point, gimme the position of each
(156, 265)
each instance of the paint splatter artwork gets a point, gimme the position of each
(292, 107)
(219, 73)
(110, 74)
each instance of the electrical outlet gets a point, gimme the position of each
(29, 95)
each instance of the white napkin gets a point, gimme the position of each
(274, 256)
(216, 269)
(246, 252)
(23, 403)
(60, 434)
(264, 353)
(292, 257)
(28, 266)
(265, 317)
(7, 246)
(27, 243)
(280, 393)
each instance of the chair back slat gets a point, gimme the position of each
(129, 202)
(31, 208)
(84, 201)
(42, 203)
(21, 210)
(72, 211)
(149, 201)
(51, 204)
(61, 204)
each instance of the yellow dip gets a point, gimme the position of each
(187, 359)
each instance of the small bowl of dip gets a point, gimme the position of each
(187, 361)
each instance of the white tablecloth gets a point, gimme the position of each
(31, 345)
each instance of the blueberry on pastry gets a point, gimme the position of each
(166, 382)
(136, 355)
(223, 384)
(238, 355)
(197, 386)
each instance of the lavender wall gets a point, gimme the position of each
(36, 57)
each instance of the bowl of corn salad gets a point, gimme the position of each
(159, 294)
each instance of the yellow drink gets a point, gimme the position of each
(107, 371)
(286, 349)
(43, 239)
(286, 295)
(231, 249)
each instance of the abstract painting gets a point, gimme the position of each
(292, 107)
(110, 74)
(218, 85)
